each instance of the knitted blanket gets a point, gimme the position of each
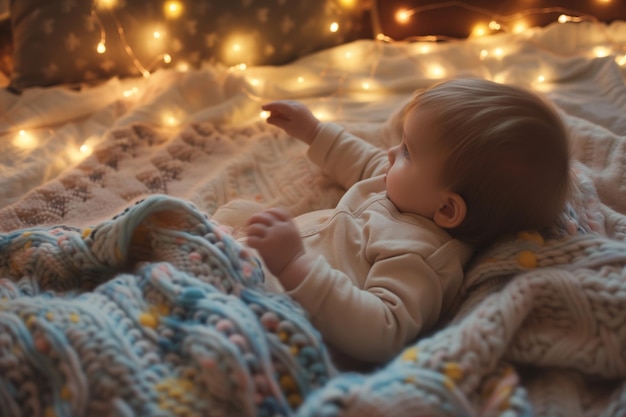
(156, 312)
(540, 331)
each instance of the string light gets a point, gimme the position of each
(106, 4)
(25, 140)
(173, 9)
(334, 27)
(101, 48)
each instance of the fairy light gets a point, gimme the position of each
(520, 27)
(366, 85)
(479, 30)
(334, 27)
(170, 120)
(25, 140)
(300, 80)
(106, 4)
(601, 51)
(156, 34)
(436, 71)
(493, 25)
(541, 78)
(101, 48)
(403, 16)
(348, 4)
(130, 92)
(167, 58)
(564, 18)
(264, 114)
(173, 9)
(182, 67)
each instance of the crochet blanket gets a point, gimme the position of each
(156, 312)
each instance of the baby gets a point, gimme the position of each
(477, 161)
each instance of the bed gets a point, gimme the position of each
(120, 296)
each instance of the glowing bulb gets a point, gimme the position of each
(101, 48)
(170, 120)
(347, 3)
(498, 52)
(167, 58)
(493, 25)
(436, 71)
(173, 9)
(519, 27)
(264, 114)
(300, 80)
(424, 49)
(541, 78)
(604, 1)
(348, 55)
(621, 61)
(366, 85)
(84, 148)
(321, 114)
(479, 30)
(182, 67)
(483, 54)
(334, 27)
(403, 16)
(601, 51)
(564, 18)
(130, 92)
(107, 4)
(156, 34)
(24, 140)
(237, 47)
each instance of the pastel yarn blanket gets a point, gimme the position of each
(156, 312)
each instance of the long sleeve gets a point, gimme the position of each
(344, 157)
(402, 297)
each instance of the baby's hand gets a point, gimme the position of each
(274, 235)
(294, 118)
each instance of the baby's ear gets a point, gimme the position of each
(451, 212)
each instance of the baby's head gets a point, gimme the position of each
(500, 155)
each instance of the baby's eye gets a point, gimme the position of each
(405, 150)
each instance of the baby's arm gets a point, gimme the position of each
(294, 118)
(275, 236)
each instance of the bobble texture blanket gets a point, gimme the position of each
(154, 313)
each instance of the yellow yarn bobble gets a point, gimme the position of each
(287, 383)
(65, 393)
(294, 400)
(148, 320)
(74, 317)
(453, 370)
(86, 232)
(527, 259)
(531, 236)
(410, 355)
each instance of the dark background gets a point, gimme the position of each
(458, 22)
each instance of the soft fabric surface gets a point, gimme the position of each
(179, 326)
(539, 327)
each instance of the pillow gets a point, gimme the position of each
(57, 41)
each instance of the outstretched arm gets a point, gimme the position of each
(275, 236)
(294, 118)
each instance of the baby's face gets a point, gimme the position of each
(412, 179)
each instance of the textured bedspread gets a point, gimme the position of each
(154, 313)
(157, 311)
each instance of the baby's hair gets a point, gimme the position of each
(507, 155)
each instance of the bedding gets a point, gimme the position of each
(106, 196)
